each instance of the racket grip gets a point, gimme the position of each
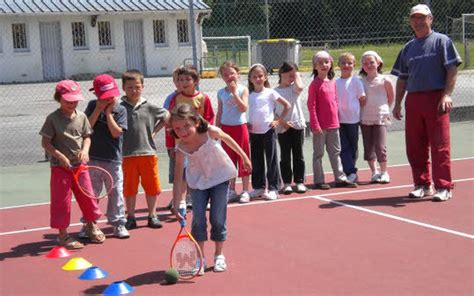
(182, 212)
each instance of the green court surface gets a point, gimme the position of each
(29, 184)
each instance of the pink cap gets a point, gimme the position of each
(69, 90)
(105, 87)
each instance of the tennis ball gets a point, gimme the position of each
(171, 276)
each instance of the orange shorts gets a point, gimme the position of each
(143, 169)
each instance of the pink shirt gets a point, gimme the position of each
(322, 104)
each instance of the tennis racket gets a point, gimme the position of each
(186, 255)
(93, 181)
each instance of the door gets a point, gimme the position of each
(134, 47)
(51, 51)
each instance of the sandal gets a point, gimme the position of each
(70, 243)
(95, 234)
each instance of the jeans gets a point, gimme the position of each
(218, 212)
(349, 133)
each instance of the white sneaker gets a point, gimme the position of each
(203, 267)
(375, 177)
(384, 178)
(232, 195)
(244, 197)
(121, 232)
(420, 191)
(83, 232)
(270, 195)
(300, 188)
(257, 193)
(352, 178)
(219, 264)
(287, 189)
(442, 195)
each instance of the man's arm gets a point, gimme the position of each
(400, 90)
(446, 103)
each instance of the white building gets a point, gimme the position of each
(48, 40)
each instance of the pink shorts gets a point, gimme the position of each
(240, 134)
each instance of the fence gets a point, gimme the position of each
(336, 25)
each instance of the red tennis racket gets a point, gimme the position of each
(93, 181)
(186, 255)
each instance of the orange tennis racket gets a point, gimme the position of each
(93, 181)
(186, 255)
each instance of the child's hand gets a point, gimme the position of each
(110, 107)
(287, 124)
(362, 101)
(233, 87)
(317, 131)
(274, 123)
(64, 161)
(249, 127)
(101, 105)
(83, 156)
(247, 165)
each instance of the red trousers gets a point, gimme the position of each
(427, 130)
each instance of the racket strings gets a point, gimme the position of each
(185, 257)
(95, 182)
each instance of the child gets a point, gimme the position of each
(208, 173)
(375, 115)
(232, 104)
(109, 120)
(188, 80)
(140, 162)
(350, 95)
(322, 107)
(65, 137)
(263, 137)
(291, 130)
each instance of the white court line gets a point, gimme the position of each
(166, 190)
(317, 197)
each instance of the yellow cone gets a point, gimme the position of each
(77, 263)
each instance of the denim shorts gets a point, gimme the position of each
(217, 196)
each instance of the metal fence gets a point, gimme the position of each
(336, 25)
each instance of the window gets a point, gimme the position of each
(20, 39)
(105, 34)
(183, 36)
(159, 32)
(79, 40)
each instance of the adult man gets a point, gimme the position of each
(426, 68)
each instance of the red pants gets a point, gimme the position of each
(427, 129)
(240, 134)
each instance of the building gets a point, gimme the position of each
(48, 40)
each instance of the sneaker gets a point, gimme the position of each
(300, 188)
(346, 183)
(203, 267)
(270, 195)
(287, 189)
(131, 223)
(219, 263)
(83, 232)
(352, 178)
(257, 193)
(375, 177)
(154, 222)
(322, 186)
(420, 191)
(121, 232)
(442, 195)
(384, 178)
(244, 197)
(232, 196)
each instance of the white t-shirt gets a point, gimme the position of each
(349, 90)
(295, 114)
(262, 110)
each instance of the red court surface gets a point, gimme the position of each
(371, 240)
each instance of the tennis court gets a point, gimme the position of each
(365, 241)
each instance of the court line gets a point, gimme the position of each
(317, 197)
(167, 190)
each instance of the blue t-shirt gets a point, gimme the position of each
(423, 62)
(103, 146)
(231, 115)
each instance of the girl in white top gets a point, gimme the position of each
(263, 139)
(232, 105)
(291, 130)
(375, 114)
(208, 172)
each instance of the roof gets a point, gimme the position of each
(16, 7)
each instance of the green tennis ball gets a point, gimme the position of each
(171, 276)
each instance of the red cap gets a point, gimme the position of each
(69, 90)
(105, 87)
